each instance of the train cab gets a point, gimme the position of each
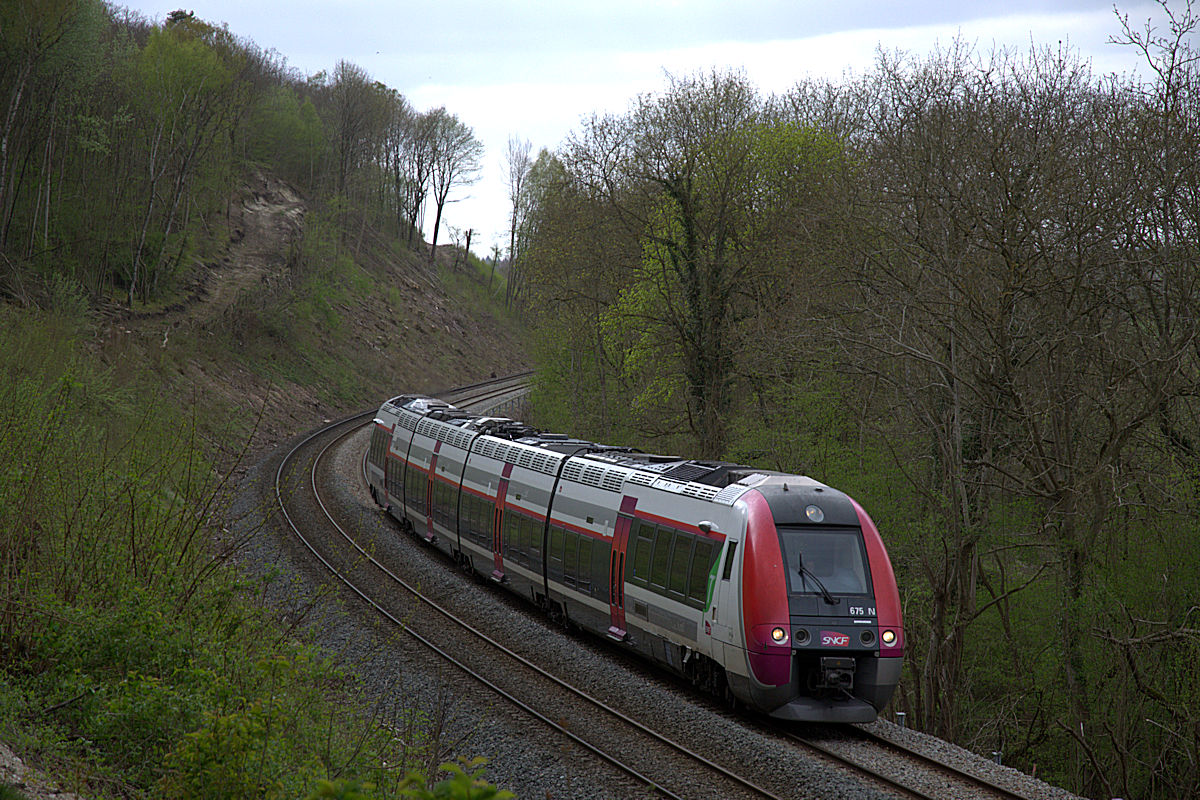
(821, 609)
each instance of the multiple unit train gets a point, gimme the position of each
(769, 589)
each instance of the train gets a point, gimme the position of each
(772, 591)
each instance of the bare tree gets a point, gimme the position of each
(417, 156)
(357, 114)
(456, 155)
(519, 163)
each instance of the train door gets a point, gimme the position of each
(616, 569)
(388, 468)
(498, 524)
(429, 531)
(722, 620)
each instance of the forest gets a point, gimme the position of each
(964, 288)
(135, 661)
(121, 141)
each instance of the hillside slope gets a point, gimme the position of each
(290, 317)
(293, 321)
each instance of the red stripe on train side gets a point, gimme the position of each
(887, 595)
(686, 527)
(481, 495)
(764, 594)
(567, 526)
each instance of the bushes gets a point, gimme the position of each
(128, 656)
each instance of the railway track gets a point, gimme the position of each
(643, 754)
(648, 756)
(909, 772)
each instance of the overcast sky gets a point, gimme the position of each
(536, 68)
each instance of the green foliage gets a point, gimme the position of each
(921, 287)
(465, 781)
(460, 785)
(127, 656)
(288, 134)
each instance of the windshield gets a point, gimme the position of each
(818, 557)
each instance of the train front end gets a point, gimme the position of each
(820, 607)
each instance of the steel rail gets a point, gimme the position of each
(982, 783)
(633, 772)
(894, 783)
(887, 780)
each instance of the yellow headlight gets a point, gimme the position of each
(889, 637)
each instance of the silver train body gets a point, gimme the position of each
(771, 590)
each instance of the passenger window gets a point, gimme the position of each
(523, 534)
(681, 559)
(584, 570)
(643, 549)
(556, 543)
(535, 540)
(701, 564)
(661, 559)
(570, 570)
(512, 540)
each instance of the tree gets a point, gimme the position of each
(455, 162)
(29, 32)
(519, 164)
(685, 172)
(357, 116)
(417, 158)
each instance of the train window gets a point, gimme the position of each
(414, 487)
(661, 558)
(729, 561)
(643, 548)
(533, 542)
(533, 552)
(681, 559)
(529, 529)
(466, 515)
(820, 558)
(438, 502)
(601, 564)
(392, 477)
(511, 537)
(570, 555)
(556, 544)
(702, 561)
(444, 498)
(584, 570)
(379, 439)
(484, 514)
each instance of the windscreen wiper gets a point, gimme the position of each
(830, 599)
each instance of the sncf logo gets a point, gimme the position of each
(834, 639)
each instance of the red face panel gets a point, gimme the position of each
(887, 596)
(764, 595)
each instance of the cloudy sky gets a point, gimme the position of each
(535, 68)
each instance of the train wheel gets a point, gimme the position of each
(727, 696)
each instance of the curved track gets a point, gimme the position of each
(657, 760)
(900, 768)
(652, 747)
